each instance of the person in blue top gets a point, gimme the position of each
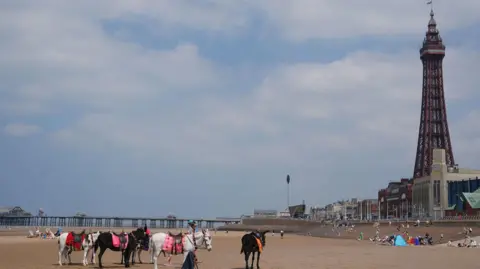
(192, 226)
(59, 231)
(192, 229)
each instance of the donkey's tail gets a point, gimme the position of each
(241, 250)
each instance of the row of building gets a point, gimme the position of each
(353, 209)
(448, 191)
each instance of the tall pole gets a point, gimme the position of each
(288, 193)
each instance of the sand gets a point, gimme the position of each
(18, 252)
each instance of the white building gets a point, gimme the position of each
(265, 213)
(332, 211)
(318, 213)
(430, 193)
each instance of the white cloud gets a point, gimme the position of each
(74, 61)
(21, 129)
(308, 19)
(297, 20)
(364, 102)
(175, 105)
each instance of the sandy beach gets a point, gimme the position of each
(294, 251)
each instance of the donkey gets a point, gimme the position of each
(166, 242)
(251, 243)
(142, 244)
(68, 242)
(118, 242)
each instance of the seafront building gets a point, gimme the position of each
(431, 193)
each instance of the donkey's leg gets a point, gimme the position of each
(100, 255)
(85, 254)
(155, 253)
(122, 254)
(133, 251)
(139, 255)
(70, 257)
(60, 255)
(258, 260)
(65, 255)
(247, 255)
(253, 259)
(93, 255)
(126, 257)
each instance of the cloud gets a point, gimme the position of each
(312, 19)
(21, 129)
(298, 109)
(296, 21)
(349, 120)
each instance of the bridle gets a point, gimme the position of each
(205, 237)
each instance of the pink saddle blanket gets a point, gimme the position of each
(117, 243)
(172, 246)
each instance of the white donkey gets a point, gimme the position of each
(157, 242)
(87, 244)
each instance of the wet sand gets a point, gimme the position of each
(18, 252)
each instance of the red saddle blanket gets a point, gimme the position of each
(75, 241)
(172, 245)
(120, 241)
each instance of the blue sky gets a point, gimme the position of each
(201, 109)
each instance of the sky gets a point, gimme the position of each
(201, 108)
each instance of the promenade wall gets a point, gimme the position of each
(304, 226)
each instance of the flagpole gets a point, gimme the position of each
(288, 193)
(430, 3)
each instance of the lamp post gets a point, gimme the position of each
(288, 193)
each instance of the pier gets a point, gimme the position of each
(114, 222)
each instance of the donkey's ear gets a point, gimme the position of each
(267, 231)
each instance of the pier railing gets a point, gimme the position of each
(116, 222)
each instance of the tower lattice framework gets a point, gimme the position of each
(433, 130)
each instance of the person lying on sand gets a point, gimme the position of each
(37, 232)
(31, 234)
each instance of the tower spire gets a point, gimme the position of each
(432, 21)
(430, 3)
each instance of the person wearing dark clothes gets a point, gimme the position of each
(189, 262)
(146, 240)
(391, 239)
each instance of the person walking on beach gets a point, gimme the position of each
(192, 228)
(146, 239)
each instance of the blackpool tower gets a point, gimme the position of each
(433, 130)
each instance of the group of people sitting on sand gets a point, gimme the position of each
(468, 242)
(410, 240)
(48, 234)
(390, 239)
